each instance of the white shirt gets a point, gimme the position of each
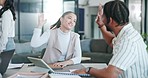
(64, 38)
(8, 28)
(130, 53)
(39, 39)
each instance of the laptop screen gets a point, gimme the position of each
(5, 58)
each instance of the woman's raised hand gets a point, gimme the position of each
(41, 20)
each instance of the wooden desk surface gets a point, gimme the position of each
(95, 65)
(27, 68)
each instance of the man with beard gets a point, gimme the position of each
(130, 57)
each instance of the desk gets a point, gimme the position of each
(27, 68)
(85, 58)
(95, 65)
(10, 72)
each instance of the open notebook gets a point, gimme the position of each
(41, 63)
(68, 73)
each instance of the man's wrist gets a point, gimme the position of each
(101, 26)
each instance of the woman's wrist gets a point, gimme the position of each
(68, 62)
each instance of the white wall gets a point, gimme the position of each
(93, 2)
(91, 8)
(87, 19)
(97, 2)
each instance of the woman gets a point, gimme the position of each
(63, 45)
(7, 14)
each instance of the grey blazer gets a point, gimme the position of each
(53, 50)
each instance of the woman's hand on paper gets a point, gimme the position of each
(64, 63)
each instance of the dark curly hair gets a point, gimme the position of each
(118, 11)
(9, 4)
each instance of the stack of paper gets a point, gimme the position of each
(15, 65)
(29, 75)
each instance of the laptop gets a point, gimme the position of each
(41, 63)
(5, 58)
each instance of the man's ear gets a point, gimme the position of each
(111, 21)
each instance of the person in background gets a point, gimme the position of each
(7, 26)
(130, 57)
(63, 44)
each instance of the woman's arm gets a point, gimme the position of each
(38, 38)
(7, 18)
(77, 51)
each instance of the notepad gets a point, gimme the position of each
(63, 76)
(15, 66)
(29, 75)
(69, 73)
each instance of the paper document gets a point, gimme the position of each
(71, 74)
(29, 75)
(11, 66)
